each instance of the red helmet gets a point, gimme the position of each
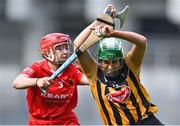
(48, 43)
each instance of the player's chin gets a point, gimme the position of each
(62, 60)
(64, 57)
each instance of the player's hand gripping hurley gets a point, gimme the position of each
(107, 18)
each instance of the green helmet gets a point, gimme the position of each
(110, 49)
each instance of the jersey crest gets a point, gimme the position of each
(120, 95)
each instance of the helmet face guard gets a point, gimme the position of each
(52, 42)
(113, 68)
(110, 51)
(65, 48)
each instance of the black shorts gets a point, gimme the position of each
(151, 120)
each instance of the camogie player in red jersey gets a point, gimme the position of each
(55, 107)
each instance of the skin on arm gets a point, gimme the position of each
(23, 81)
(87, 62)
(136, 54)
(82, 37)
(84, 80)
(85, 59)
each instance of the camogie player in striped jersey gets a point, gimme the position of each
(115, 78)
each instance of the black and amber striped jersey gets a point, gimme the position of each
(134, 108)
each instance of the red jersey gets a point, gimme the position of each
(60, 98)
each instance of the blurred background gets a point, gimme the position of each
(24, 22)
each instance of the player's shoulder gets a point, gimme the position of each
(40, 62)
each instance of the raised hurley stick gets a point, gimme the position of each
(106, 19)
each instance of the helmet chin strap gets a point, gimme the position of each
(50, 57)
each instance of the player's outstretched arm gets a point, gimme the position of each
(88, 37)
(22, 81)
(136, 54)
(81, 38)
(85, 59)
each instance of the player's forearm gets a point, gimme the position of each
(136, 54)
(24, 82)
(81, 38)
(135, 38)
